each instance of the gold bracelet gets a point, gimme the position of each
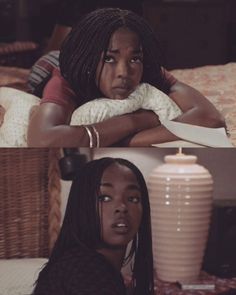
(90, 136)
(97, 136)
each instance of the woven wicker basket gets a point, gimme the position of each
(29, 202)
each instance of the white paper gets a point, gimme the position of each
(204, 136)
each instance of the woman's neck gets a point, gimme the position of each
(114, 256)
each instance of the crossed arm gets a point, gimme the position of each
(49, 124)
(197, 110)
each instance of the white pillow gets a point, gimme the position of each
(13, 131)
(17, 104)
(145, 96)
(17, 276)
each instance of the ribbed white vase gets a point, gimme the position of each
(181, 204)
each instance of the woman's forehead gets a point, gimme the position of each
(118, 173)
(124, 37)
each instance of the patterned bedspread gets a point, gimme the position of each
(218, 84)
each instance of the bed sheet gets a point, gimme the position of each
(218, 84)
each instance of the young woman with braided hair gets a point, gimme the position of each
(108, 207)
(109, 53)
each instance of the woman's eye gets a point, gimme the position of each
(137, 59)
(134, 199)
(104, 198)
(108, 59)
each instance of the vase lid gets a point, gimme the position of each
(180, 158)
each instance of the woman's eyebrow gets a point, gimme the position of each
(129, 186)
(107, 184)
(133, 187)
(135, 51)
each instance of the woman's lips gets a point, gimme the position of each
(122, 89)
(121, 227)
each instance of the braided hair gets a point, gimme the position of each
(89, 38)
(81, 226)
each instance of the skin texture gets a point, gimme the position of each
(119, 203)
(49, 124)
(120, 71)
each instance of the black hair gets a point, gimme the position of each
(89, 38)
(81, 225)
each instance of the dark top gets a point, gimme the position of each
(80, 272)
(70, 11)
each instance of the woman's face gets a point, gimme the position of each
(120, 71)
(119, 205)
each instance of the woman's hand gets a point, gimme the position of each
(197, 110)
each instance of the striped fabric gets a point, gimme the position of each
(42, 71)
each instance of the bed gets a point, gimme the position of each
(216, 82)
(29, 215)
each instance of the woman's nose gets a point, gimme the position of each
(122, 69)
(121, 208)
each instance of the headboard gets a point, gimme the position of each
(29, 202)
